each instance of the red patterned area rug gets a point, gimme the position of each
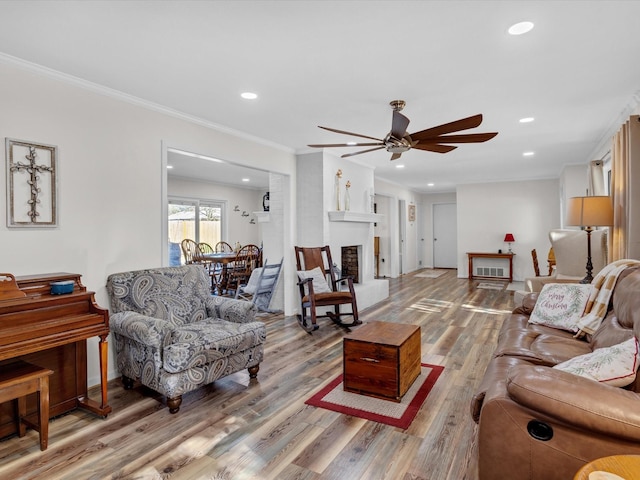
(333, 397)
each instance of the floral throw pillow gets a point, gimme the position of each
(561, 305)
(320, 284)
(616, 365)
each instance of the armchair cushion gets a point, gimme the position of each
(177, 298)
(330, 298)
(211, 339)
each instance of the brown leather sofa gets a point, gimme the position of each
(540, 423)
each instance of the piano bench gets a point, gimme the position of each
(19, 379)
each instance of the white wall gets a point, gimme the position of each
(236, 228)
(110, 178)
(425, 240)
(487, 211)
(388, 196)
(574, 182)
(316, 193)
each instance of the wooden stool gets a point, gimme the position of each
(19, 379)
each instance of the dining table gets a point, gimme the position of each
(220, 262)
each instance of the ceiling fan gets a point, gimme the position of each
(398, 141)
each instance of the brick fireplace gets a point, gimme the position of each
(351, 262)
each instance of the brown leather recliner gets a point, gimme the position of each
(540, 423)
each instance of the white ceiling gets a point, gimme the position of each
(188, 165)
(340, 63)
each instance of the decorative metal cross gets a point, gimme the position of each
(32, 169)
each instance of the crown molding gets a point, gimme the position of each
(124, 97)
(603, 145)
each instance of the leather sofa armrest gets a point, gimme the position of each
(528, 302)
(578, 401)
(141, 328)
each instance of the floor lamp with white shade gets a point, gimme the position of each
(589, 212)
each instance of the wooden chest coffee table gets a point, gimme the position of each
(381, 359)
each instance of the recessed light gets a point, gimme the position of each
(528, 154)
(249, 95)
(400, 166)
(430, 184)
(169, 166)
(527, 120)
(246, 180)
(520, 28)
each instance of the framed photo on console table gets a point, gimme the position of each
(31, 184)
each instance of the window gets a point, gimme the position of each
(200, 220)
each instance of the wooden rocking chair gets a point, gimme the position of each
(321, 288)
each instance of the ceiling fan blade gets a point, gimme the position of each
(399, 125)
(362, 151)
(433, 147)
(463, 138)
(395, 156)
(350, 133)
(322, 145)
(462, 124)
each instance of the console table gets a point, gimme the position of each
(507, 256)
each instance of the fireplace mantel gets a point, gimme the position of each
(348, 216)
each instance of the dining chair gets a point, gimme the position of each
(223, 247)
(213, 269)
(246, 260)
(536, 267)
(190, 251)
(551, 260)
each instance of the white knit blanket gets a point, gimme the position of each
(598, 302)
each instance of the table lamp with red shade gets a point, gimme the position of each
(509, 239)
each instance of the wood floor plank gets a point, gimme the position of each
(241, 428)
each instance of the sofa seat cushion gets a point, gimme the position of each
(203, 342)
(540, 348)
(521, 323)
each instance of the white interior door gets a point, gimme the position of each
(445, 235)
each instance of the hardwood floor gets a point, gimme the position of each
(261, 429)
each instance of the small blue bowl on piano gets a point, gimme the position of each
(62, 287)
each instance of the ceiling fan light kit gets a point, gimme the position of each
(398, 140)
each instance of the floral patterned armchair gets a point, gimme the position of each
(173, 336)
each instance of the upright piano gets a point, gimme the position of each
(51, 331)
